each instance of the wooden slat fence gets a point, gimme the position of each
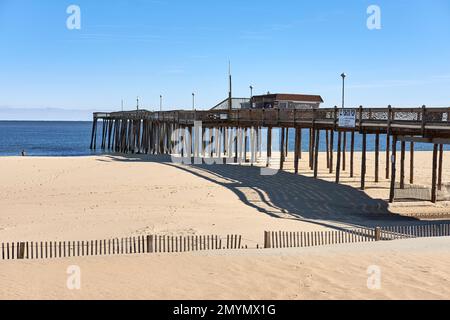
(129, 245)
(415, 231)
(282, 239)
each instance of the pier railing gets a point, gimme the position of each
(381, 118)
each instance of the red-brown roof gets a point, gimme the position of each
(291, 97)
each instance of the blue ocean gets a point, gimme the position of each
(60, 138)
(42, 138)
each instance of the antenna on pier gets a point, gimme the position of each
(230, 94)
(137, 103)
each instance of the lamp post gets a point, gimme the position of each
(343, 75)
(251, 97)
(137, 103)
(160, 102)
(193, 101)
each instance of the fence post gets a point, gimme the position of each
(377, 234)
(21, 253)
(267, 240)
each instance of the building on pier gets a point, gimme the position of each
(286, 101)
(272, 101)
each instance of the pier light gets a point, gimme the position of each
(193, 101)
(160, 102)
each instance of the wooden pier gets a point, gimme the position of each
(234, 133)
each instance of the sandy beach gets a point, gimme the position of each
(100, 197)
(410, 269)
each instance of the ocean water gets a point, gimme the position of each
(42, 138)
(59, 138)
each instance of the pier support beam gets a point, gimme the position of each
(311, 147)
(300, 142)
(411, 163)
(352, 154)
(282, 148)
(297, 149)
(331, 150)
(246, 144)
(441, 159)
(237, 144)
(338, 159)
(316, 154)
(388, 160)
(94, 134)
(344, 152)
(327, 143)
(286, 147)
(434, 174)
(377, 157)
(402, 165)
(393, 171)
(269, 145)
(363, 161)
(253, 145)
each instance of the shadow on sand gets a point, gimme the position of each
(289, 196)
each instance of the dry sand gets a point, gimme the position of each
(410, 269)
(103, 197)
(111, 196)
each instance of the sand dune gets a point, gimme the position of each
(410, 269)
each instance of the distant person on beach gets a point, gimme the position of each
(23, 153)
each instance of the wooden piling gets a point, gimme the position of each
(297, 149)
(411, 163)
(269, 145)
(282, 148)
(331, 150)
(338, 160)
(377, 157)
(402, 164)
(352, 153)
(327, 143)
(316, 153)
(441, 159)
(363, 161)
(388, 160)
(434, 174)
(344, 152)
(393, 171)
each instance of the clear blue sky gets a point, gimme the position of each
(127, 48)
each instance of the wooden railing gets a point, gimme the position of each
(419, 117)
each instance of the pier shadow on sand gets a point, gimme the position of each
(289, 196)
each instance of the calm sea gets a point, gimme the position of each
(41, 138)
